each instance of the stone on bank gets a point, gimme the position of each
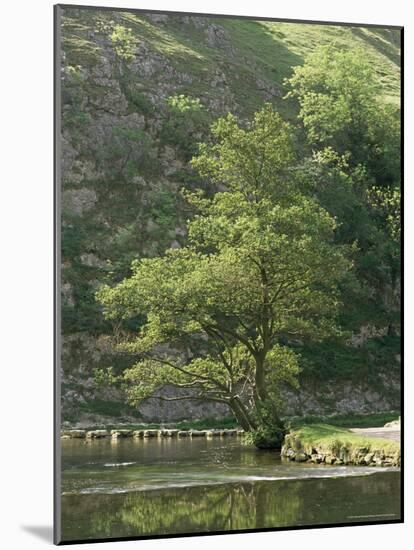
(338, 446)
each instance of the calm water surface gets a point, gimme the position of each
(131, 487)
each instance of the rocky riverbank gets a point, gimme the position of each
(331, 445)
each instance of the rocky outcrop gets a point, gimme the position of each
(360, 457)
(332, 396)
(341, 453)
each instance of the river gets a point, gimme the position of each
(127, 488)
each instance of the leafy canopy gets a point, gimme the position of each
(260, 268)
(337, 94)
(355, 138)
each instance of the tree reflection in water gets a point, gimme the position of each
(227, 507)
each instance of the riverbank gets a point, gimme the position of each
(335, 440)
(328, 444)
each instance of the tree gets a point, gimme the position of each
(386, 210)
(186, 119)
(355, 137)
(260, 269)
(341, 106)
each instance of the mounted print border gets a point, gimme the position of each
(228, 280)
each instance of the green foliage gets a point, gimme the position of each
(355, 173)
(337, 95)
(333, 438)
(105, 377)
(260, 267)
(124, 42)
(136, 91)
(333, 359)
(164, 210)
(183, 104)
(75, 117)
(130, 151)
(335, 91)
(350, 420)
(387, 204)
(72, 241)
(80, 311)
(185, 123)
(141, 102)
(108, 408)
(252, 160)
(266, 437)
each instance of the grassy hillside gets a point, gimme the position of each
(248, 51)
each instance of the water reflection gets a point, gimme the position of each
(209, 505)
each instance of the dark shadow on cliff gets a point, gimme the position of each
(383, 43)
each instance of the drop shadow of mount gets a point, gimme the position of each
(42, 532)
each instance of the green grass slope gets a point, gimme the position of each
(249, 52)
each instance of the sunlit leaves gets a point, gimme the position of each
(337, 93)
(124, 42)
(250, 160)
(260, 267)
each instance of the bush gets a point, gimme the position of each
(124, 42)
(186, 120)
(266, 437)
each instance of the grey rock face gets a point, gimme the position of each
(217, 37)
(83, 353)
(158, 17)
(301, 457)
(78, 201)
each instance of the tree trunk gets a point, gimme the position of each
(241, 414)
(261, 396)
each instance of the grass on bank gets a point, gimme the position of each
(332, 439)
(349, 420)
